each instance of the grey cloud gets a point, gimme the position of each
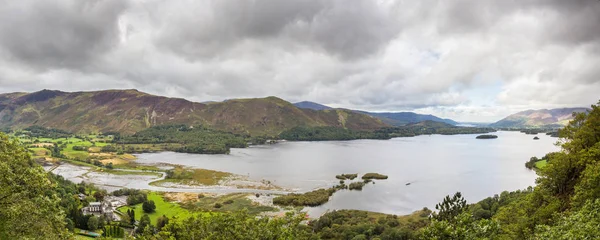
(346, 30)
(58, 34)
(425, 55)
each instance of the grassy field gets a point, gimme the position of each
(163, 207)
(228, 203)
(541, 164)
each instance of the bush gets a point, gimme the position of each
(200, 195)
(228, 202)
(218, 205)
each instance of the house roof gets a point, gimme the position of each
(95, 204)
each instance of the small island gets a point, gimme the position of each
(536, 138)
(374, 176)
(487, 136)
(347, 176)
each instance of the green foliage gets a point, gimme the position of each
(449, 208)
(163, 207)
(374, 176)
(431, 127)
(352, 224)
(461, 226)
(93, 223)
(312, 198)
(149, 206)
(194, 140)
(29, 206)
(239, 225)
(161, 222)
(581, 224)
(533, 161)
(304, 133)
(136, 198)
(42, 132)
(488, 207)
(144, 223)
(113, 231)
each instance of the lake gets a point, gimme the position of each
(434, 165)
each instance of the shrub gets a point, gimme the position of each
(218, 205)
(228, 202)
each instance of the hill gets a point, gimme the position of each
(129, 111)
(539, 118)
(391, 118)
(311, 105)
(403, 118)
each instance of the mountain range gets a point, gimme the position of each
(552, 118)
(129, 111)
(391, 118)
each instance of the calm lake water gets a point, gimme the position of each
(435, 166)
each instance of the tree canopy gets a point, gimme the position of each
(28, 207)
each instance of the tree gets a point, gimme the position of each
(131, 215)
(93, 223)
(450, 207)
(144, 222)
(26, 210)
(99, 195)
(161, 222)
(148, 206)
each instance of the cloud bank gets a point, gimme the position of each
(465, 59)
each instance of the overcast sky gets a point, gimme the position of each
(467, 60)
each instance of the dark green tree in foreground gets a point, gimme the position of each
(449, 208)
(27, 209)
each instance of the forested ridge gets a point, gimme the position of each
(565, 204)
(196, 139)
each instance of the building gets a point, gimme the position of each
(100, 208)
(95, 207)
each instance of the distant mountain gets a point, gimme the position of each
(392, 118)
(129, 111)
(311, 105)
(403, 118)
(539, 118)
